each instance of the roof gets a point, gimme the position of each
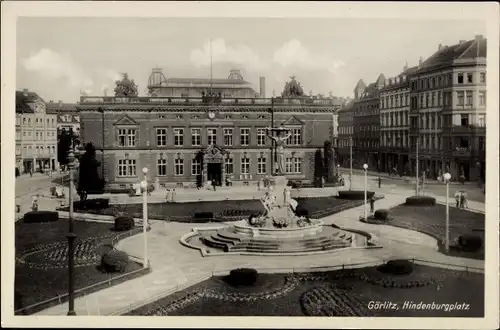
(380, 80)
(24, 98)
(53, 107)
(360, 85)
(200, 81)
(349, 106)
(466, 50)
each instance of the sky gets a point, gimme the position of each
(60, 57)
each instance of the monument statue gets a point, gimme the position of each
(125, 87)
(279, 135)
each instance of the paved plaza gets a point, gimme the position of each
(176, 267)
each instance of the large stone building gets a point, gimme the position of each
(395, 122)
(448, 111)
(182, 139)
(345, 133)
(68, 118)
(36, 133)
(366, 124)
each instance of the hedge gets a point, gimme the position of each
(40, 216)
(114, 261)
(355, 194)
(124, 223)
(203, 216)
(396, 267)
(301, 212)
(421, 201)
(242, 277)
(471, 243)
(91, 204)
(381, 214)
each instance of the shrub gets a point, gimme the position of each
(381, 214)
(242, 277)
(355, 194)
(91, 204)
(396, 267)
(421, 201)
(123, 223)
(52, 191)
(302, 212)
(41, 216)
(203, 216)
(471, 243)
(114, 261)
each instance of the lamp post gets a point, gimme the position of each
(71, 238)
(144, 186)
(365, 166)
(416, 172)
(447, 177)
(338, 171)
(350, 169)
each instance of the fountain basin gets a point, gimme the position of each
(315, 228)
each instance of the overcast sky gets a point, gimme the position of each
(59, 57)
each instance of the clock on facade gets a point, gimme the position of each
(211, 115)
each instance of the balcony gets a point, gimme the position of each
(464, 130)
(461, 152)
(146, 100)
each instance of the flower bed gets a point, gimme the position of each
(355, 194)
(421, 200)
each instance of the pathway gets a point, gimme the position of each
(175, 266)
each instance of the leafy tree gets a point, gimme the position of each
(64, 139)
(329, 164)
(319, 169)
(88, 179)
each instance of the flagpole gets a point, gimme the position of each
(210, 65)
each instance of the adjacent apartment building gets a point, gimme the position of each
(448, 111)
(36, 133)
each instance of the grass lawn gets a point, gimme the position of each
(327, 294)
(431, 220)
(42, 255)
(221, 209)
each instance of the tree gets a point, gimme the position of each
(88, 179)
(329, 164)
(63, 146)
(319, 169)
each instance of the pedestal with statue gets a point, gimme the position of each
(281, 229)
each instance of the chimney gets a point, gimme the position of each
(420, 61)
(440, 46)
(479, 37)
(262, 87)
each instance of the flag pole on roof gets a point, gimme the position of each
(210, 65)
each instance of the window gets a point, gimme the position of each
(212, 136)
(244, 136)
(161, 137)
(421, 100)
(18, 150)
(24, 121)
(29, 121)
(196, 166)
(161, 166)
(460, 98)
(196, 137)
(433, 99)
(228, 163)
(460, 78)
(53, 149)
(427, 103)
(482, 98)
(18, 135)
(439, 102)
(482, 77)
(261, 165)
(126, 167)
(469, 78)
(297, 165)
(468, 98)
(178, 137)
(228, 136)
(464, 120)
(296, 137)
(288, 165)
(245, 165)
(261, 136)
(179, 166)
(480, 121)
(126, 137)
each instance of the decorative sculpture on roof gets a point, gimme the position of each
(292, 88)
(125, 87)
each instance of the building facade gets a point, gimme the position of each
(366, 122)
(345, 129)
(36, 134)
(448, 111)
(68, 118)
(182, 140)
(395, 123)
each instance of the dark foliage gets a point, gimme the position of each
(471, 243)
(396, 267)
(355, 194)
(89, 180)
(64, 141)
(421, 200)
(124, 223)
(203, 216)
(40, 216)
(381, 214)
(329, 161)
(242, 277)
(319, 169)
(114, 261)
(91, 204)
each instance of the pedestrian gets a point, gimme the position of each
(173, 195)
(457, 198)
(213, 184)
(372, 204)
(462, 200)
(31, 172)
(167, 197)
(379, 181)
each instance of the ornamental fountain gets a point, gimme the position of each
(280, 229)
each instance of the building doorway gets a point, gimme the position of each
(214, 173)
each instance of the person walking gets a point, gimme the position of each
(379, 181)
(462, 199)
(464, 203)
(457, 198)
(213, 184)
(372, 204)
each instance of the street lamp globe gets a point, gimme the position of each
(145, 170)
(447, 176)
(365, 166)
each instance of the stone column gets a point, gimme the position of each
(223, 170)
(205, 169)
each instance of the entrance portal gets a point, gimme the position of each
(214, 173)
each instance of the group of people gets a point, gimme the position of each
(461, 199)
